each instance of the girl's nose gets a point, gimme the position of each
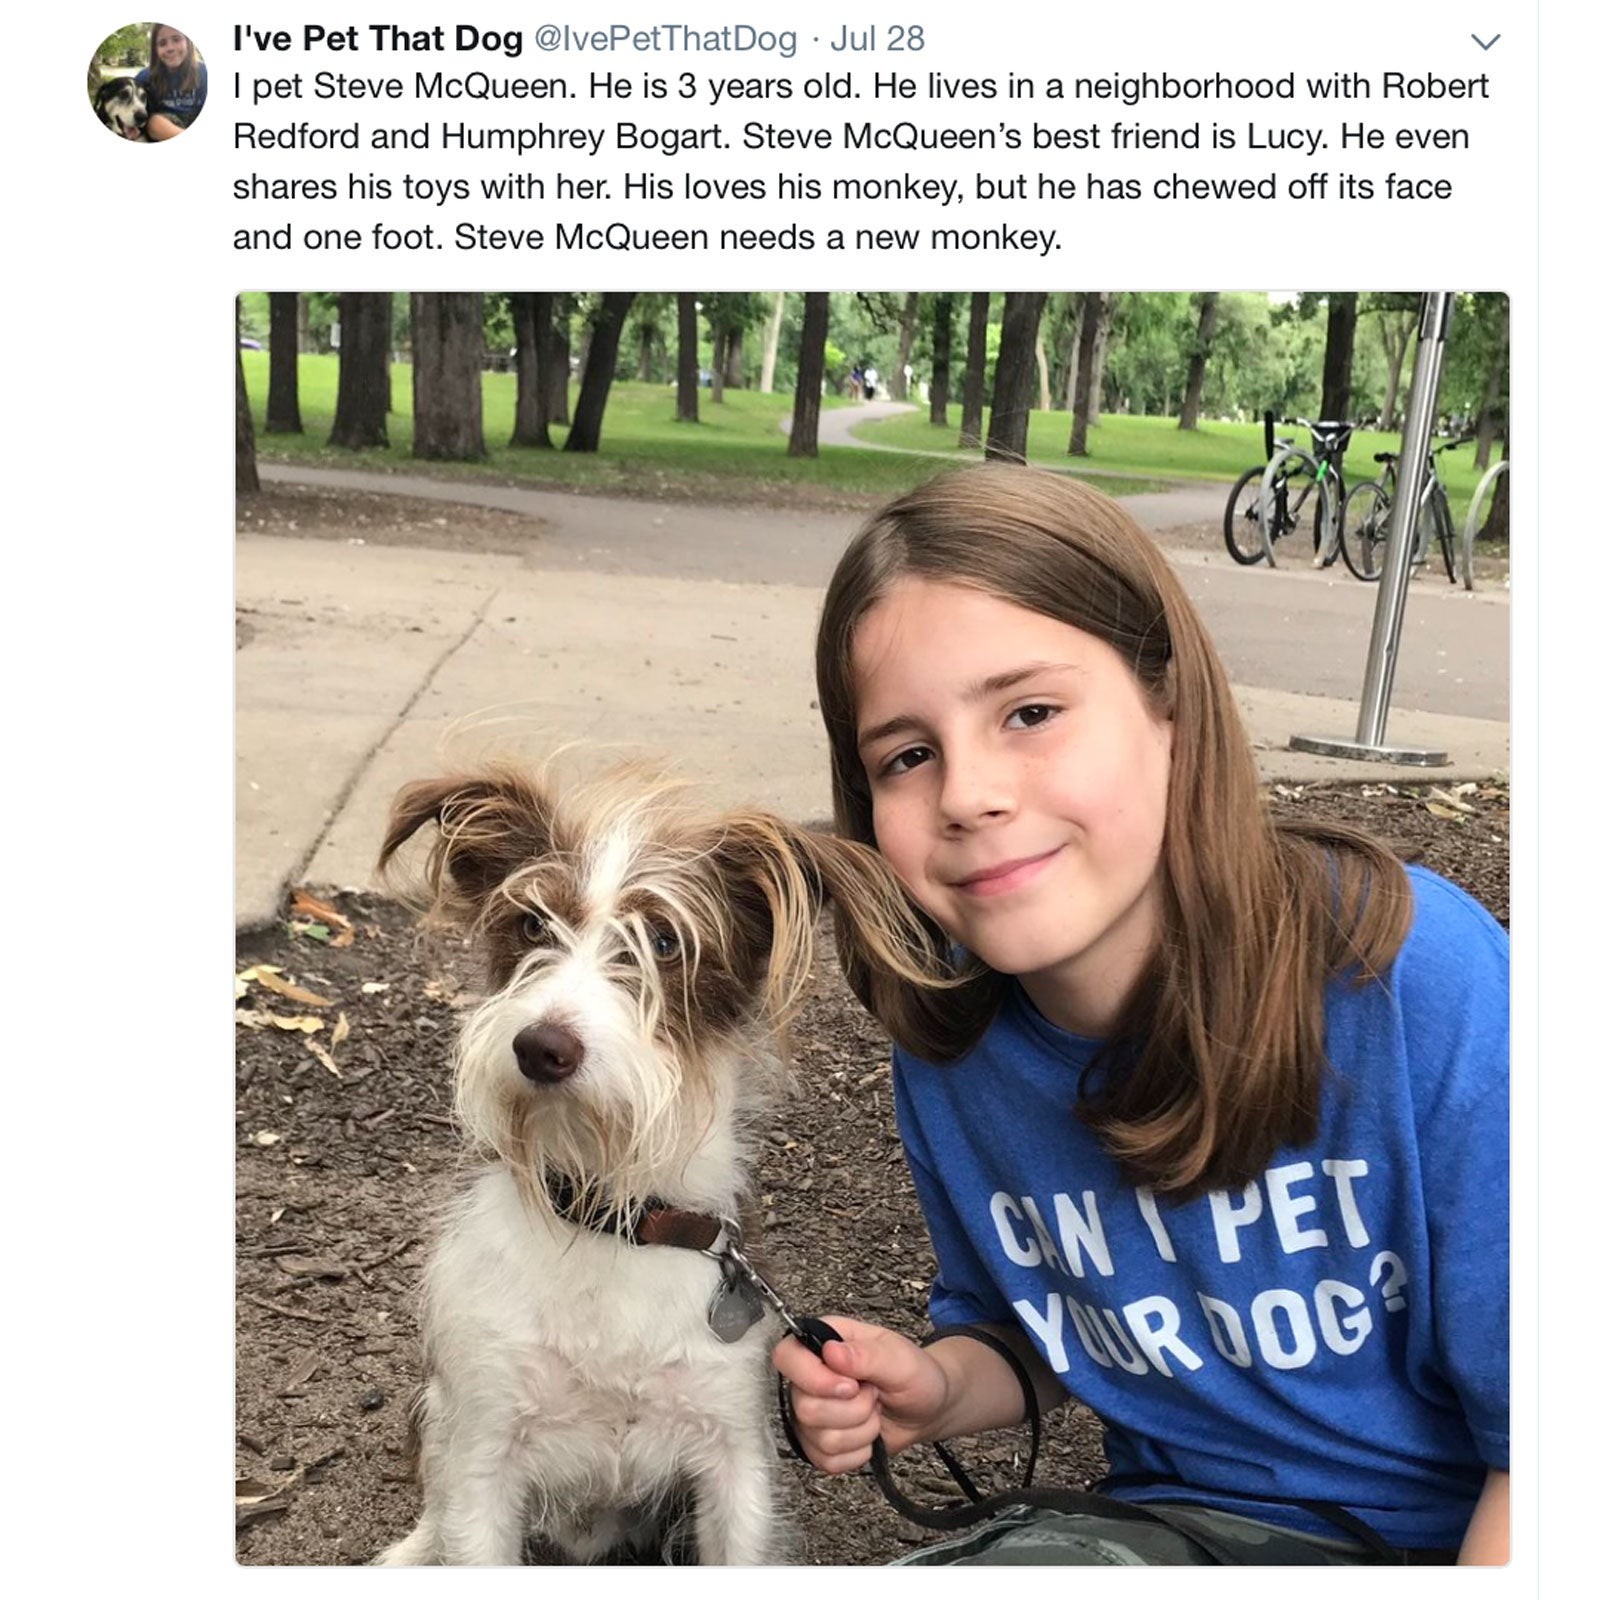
(975, 791)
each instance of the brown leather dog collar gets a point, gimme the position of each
(655, 1222)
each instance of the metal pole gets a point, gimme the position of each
(1389, 613)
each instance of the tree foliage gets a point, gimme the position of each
(127, 47)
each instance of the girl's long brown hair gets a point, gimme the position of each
(1218, 1058)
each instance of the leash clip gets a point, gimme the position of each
(727, 1250)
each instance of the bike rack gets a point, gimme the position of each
(1284, 453)
(1389, 613)
(1469, 531)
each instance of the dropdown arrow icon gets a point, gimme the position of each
(1485, 44)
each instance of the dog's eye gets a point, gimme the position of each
(665, 943)
(533, 927)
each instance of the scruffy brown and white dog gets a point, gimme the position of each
(590, 1358)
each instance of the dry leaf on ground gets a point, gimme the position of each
(342, 932)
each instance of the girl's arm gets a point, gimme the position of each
(1488, 1540)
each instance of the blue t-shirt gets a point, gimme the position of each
(186, 105)
(1337, 1330)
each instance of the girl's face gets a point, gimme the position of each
(1019, 789)
(171, 47)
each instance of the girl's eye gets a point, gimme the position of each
(906, 760)
(1032, 716)
(533, 927)
(665, 943)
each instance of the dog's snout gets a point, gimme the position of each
(547, 1052)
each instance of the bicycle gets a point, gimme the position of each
(1273, 496)
(1369, 508)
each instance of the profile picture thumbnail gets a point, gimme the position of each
(147, 82)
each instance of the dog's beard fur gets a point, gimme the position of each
(667, 1088)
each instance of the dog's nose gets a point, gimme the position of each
(548, 1053)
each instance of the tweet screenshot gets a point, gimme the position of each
(858, 729)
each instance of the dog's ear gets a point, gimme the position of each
(490, 824)
(783, 875)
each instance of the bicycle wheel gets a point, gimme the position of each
(1241, 522)
(1364, 531)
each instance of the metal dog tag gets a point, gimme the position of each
(735, 1309)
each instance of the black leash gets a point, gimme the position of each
(657, 1223)
(954, 1516)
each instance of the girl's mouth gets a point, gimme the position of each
(1008, 875)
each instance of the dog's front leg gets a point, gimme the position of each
(733, 1504)
(476, 1492)
(483, 1516)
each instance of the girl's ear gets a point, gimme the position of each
(490, 824)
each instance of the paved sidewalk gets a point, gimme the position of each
(685, 631)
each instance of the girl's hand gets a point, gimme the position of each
(870, 1383)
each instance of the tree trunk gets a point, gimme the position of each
(1102, 342)
(939, 380)
(688, 360)
(1043, 363)
(560, 374)
(1071, 390)
(1189, 417)
(245, 478)
(1338, 357)
(1014, 377)
(1083, 395)
(1493, 389)
(385, 335)
(733, 359)
(283, 372)
(1497, 525)
(530, 320)
(808, 383)
(647, 353)
(605, 335)
(719, 357)
(898, 386)
(972, 381)
(1397, 335)
(361, 412)
(447, 377)
(769, 356)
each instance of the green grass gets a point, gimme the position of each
(1218, 451)
(737, 447)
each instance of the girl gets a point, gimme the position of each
(1215, 1136)
(175, 80)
